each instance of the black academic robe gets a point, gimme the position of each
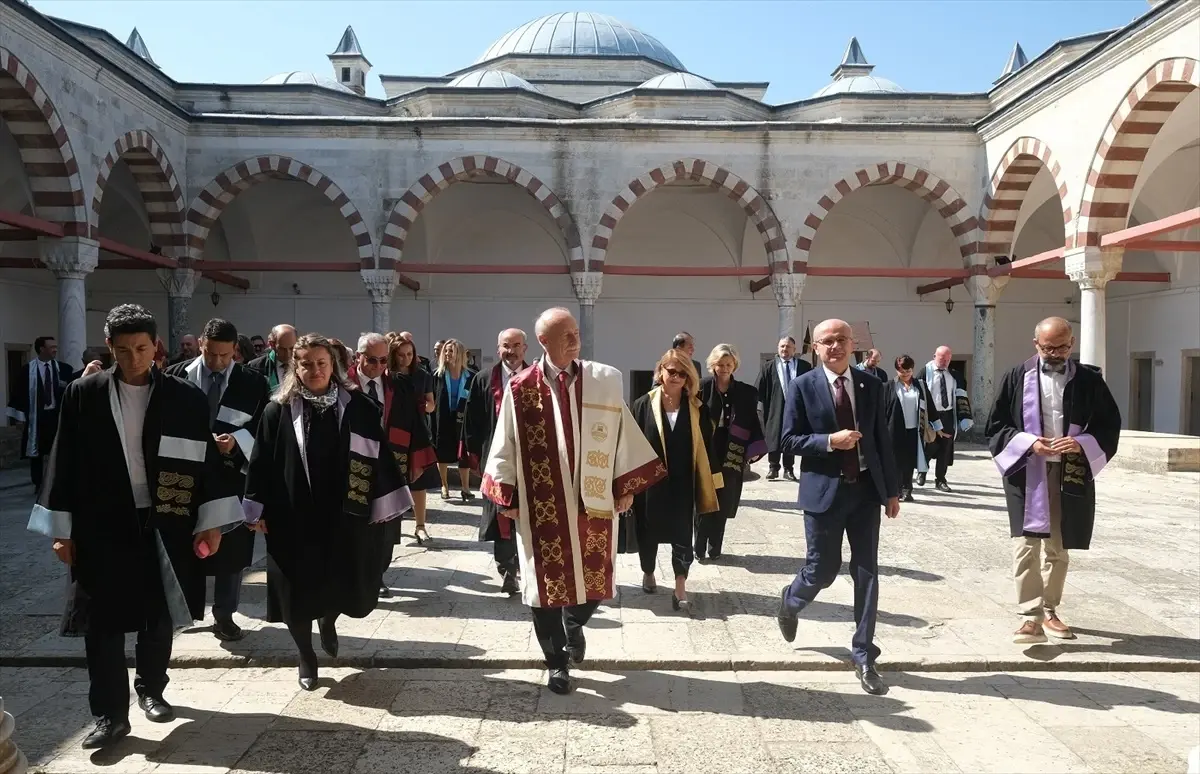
(1090, 415)
(266, 366)
(479, 424)
(771, 393)
(325, 484)
(737, 437)
(447, 425)
(960, 409)
(87, 496)
(34, 391)
(241, 408)
(907, 443)
(665, 512)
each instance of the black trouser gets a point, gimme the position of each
(906, 478)
(35, 474)
(789, 460)
(108, 694)
(227, 593)
(557, 627)
(942, 449)
(710, 534)
(681, 557)
(504, 551)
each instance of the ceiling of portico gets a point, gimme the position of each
(885, 226)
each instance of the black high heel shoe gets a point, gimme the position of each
(329, 638)
(308, 672)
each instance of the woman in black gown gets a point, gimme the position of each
(738, 441)
(320, 484)
(908, 402)
(451, 385)
(678, 426)
(404, 364)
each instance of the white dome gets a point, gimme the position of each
(491, 79)
(580, 34)
(310, 79)
(677, 81)
(860, 84)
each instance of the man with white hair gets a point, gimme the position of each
(952, 407)
(479, 425)
(567, 457)
(274, 365)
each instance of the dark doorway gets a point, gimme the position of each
(1141, 391)
(640, 383)
(1191, 392)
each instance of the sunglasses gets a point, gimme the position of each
(675, 373)
(375, 360)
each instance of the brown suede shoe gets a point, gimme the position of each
(1056, 628)
(1030, 633)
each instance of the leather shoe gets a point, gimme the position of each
(789, 475)
(384, 592)
(510, 586)
(329, 638)
(920, 479)
(107, 732)
(787, 620)
(227, 631)
(577, 650)
(559, 682)
(157, 710)
(942, 486)
(772, 474)
(871, 682)
(308, 683)
(1054, 626)
(906, 496)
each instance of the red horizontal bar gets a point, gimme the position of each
(409, 282)
(684, 271)
(21, 263)
(945, 284)
(881, 272)
(299, 266)
(232, 280)
(1179, 220)
(1165, 245)
(1027, 263)
(484, 268)
(30, 223)
(160, 261)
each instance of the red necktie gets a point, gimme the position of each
(845, 418)
(564, 407)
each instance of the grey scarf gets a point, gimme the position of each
(319, 403)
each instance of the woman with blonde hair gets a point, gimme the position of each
(678, 426)
(451, 385)
(404, 364)
(738, 441)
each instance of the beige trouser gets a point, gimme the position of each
(1040, 588)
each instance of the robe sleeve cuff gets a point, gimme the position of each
(756, 449)
(391, 505)
(52, 524)
(1010, 457)
(398, 436)
(245, 441)
(251, 511)
(222, 512)
(15, 414)
(639, 479)
(423, 458)
(936, 424)
(966, 424)
(500, 494)
(1091, 449)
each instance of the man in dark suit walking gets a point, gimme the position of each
(835, 422)
(46, 379)
(773, 381)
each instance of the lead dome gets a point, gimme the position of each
(683, 81)
(853, 76)
(306, 78)
(581, 34)
(491, 79)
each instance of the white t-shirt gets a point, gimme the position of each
(672, 416)
(134, 401)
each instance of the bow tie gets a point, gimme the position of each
(1048, 368)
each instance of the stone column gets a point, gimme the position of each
(12, 760)
(71, 259)
(381, 284)
(788, 289)
(985, 291)
(588, 285)
(1092, 268)
(180, 284)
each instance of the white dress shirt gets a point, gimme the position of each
(134, 402)
(831, 377)
(910, 403)
(782, 369)
(940, 376)
(363, 382)
(1052, 386)
(48, 379)
(506, 373)
(206, 377)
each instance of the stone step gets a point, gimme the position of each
(1158, 452)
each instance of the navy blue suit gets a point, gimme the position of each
(833, 505)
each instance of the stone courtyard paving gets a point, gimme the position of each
(443, 676)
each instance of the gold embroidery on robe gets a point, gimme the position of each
(593, 486)
(540, 470)
(167, 495)
(556, 591)
(552, 551)
(596, 542)
(597, 459)
(594, 580)
(544, 511)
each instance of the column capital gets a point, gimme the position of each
(1093, 267)
(985, 290)
(179, 283)
(70, 257)
(380, 283)
(788, 288)
(588, 285)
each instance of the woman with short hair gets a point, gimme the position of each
(678, 426)
(738, 441)
(451, 385)
(404, 363)
(908, 418)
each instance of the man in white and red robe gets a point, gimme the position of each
(565, 460)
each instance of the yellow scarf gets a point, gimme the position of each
(707, 482)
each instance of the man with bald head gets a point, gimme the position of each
(773, 381)
(274, 365)
(479, 425)
(951, 407)
(835, 422)
(1053, 428)
(566, 458)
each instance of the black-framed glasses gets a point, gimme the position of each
(1060, 349)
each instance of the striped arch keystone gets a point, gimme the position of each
(406, 209)
(46, 155)
(1123, 147)
(216, 196)
(928, 186)
(156, 182)
(719, 179)
(1022, 162)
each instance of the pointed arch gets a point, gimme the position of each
(216, 196)
(718, 178)
(948, 203)
(156, 182)
(1022, 162)
(406, 209)
(1127, 138)
(46, 154)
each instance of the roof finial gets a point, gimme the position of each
(1016, 60)
(138, 46)
(348, 45)
(854, 62)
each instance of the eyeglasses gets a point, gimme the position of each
(840, 341)
(374, 360)
(1056, 350)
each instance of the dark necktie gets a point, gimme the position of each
(214, 396)
(845, 418)
(942, 390)
(564, 403)
(373, 390)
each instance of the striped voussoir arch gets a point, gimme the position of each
(1127, 138)
(156, 182)
(928, 186)
(406, 209)
(216, 196)
(1022, 162)
(45, 149)
(719, 179)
